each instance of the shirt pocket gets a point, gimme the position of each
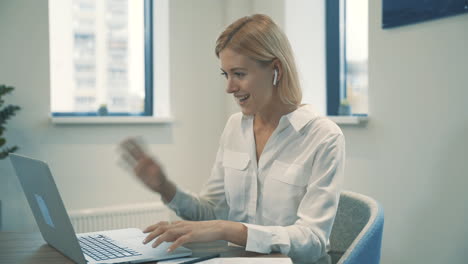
(235, 184)
(292, 174)
(285, 187)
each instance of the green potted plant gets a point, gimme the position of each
(6, 112)
(102, 110)
(344, 108)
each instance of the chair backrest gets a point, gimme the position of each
(356, 234)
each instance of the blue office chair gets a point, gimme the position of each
(356, 235)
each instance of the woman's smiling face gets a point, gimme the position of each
(249, 82)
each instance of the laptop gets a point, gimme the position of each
(113, 246)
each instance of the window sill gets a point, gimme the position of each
(112, 120)
(349, 120)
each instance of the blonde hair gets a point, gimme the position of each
(260, 39)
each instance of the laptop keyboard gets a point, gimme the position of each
(100, 247)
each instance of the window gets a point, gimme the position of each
(347, 57)
(101, 58)
(329, 40)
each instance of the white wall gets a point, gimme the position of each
(412, 156)
(305, 28)
(83, 157)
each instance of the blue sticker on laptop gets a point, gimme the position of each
(44, 210)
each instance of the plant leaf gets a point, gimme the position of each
(8, 112)
(4, 89)
(4, 153)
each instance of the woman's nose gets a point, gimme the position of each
(231, 86)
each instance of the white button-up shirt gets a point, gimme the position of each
(288, 200)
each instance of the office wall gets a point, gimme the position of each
(305, 28)
(412, 155)
(83, 158)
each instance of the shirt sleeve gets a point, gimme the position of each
(307, 238)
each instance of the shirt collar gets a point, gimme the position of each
(297, 118)
(301, 116)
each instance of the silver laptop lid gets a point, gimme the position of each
(47, 206)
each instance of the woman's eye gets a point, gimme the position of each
(239, 74)
(224, 74)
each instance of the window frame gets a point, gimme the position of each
(336, 68)
(335, 51)
(148, 13)
(148, 111)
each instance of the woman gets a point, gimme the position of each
(276, 180)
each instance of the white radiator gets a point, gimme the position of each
(115, 217)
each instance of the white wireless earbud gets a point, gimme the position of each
(275, 78)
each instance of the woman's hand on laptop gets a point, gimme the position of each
(146, 168)
(182, 232)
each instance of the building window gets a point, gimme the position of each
(101, 57)
(347, 57)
